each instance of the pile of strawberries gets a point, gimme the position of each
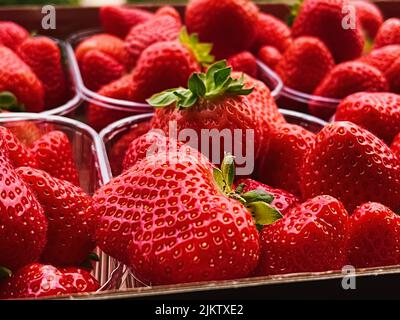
(32, 77)
(313, 202)
(47, 221)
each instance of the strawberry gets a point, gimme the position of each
(244, 62)
(17, 153)
(99, 69)
(154, 142)
(345, 79)
(169, 11)
(168, 64)
(98, 116)
(393, 76)
(370, 17)
(160, 28)
(272, 32)
(304, 64)
(106, 43)
(281, 166)
(377, 112)
(395, 146)
(44, 57)
(36, 280)
(312, 237)
(374, 236)
(262, 101)
(23, 224)
(283, 200)
(324, 19)
(119, 149)
(12, 34)
(388, 33)
(351, 164)
(54, 155)
(227, 24)
(214, 101)
(20, 88)
(270, 56)
(181, 221)
(70, 217)
(382, 58)
(118, 20)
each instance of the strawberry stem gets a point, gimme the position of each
(5, 272)
(9, 102)
(217, 82)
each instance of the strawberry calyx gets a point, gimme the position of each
(5, 272)
(88, 263)
(294, 11)
(9, 102)
(216, 83)
(258, 202)
(200, 50)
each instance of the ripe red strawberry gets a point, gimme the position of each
(179, 224)
(70, 217)
(345, 79)
(374, 236)
(54, 155)
(37, 280)
(312, 237)
(351, 164)
(99, 69)
(16, 152)
(324, 19)
(283, 200)
(244, 62)
(155, 142)
(12, 34)
(160, 28)
(106, 43)
(169, 11)
(118, 20)
(18, 79)
(382, 58)
(272, 32)
(270, 56)
(262, 101)
(389, 33)
(281, 165)
(395, 146)
(377, 112)
(98, 116)
(23, 224)
(168, 64)
(393, 76)
(44, 57)
(119, 149)
(214, 101)
(370, 17)
(304, 64)
(227, 24)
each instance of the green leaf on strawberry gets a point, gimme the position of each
(211, 85)
(5, 272)
(257, 201)
(8, 101)
(200, 50)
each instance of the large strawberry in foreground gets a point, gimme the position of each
(37, 280)
(351, 164)
(374, 236)
(174, 219)
(313, 236)
(23, 223)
